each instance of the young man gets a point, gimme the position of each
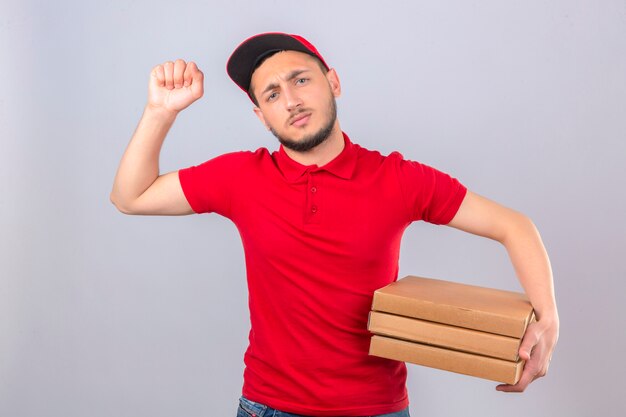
(321, 221)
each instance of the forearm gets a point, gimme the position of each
(139, 167)
(532, 266)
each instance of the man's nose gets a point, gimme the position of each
(292, 99)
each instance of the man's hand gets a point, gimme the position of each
(175, 85)
(536, 349)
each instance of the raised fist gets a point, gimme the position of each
(175, 85)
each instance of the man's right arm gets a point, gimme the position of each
(138, 187)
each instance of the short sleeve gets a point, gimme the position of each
(208, 187)
(430, 195)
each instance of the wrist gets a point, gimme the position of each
(548, 316)
(160, 113)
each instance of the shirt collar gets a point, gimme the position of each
(342, 165)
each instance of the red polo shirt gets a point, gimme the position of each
(318, 242)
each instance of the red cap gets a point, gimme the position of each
(245, 57)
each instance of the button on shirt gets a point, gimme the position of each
(318, 242)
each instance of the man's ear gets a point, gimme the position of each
(259, 114)
(333, 80)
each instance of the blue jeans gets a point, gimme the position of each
(249, 408)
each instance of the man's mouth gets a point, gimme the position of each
(300, 119)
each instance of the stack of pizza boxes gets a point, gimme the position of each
(451, 326)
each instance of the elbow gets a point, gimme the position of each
(122, 208)
(519, 226)
(525, 222)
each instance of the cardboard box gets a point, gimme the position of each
(443, 335)
(446, 359)
(485, 309)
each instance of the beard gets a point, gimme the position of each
(314, 139)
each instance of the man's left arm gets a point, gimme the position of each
(480, 216)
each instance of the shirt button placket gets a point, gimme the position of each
(313, 190)
(312, 204)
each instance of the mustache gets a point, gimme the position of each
(296, 115)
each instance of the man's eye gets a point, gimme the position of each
(272, 96)
(301, 80)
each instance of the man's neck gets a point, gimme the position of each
(322, 153)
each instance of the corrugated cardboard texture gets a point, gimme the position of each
(486, 309)
(448, 360)
(443, 335)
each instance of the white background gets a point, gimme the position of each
(103, 314)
